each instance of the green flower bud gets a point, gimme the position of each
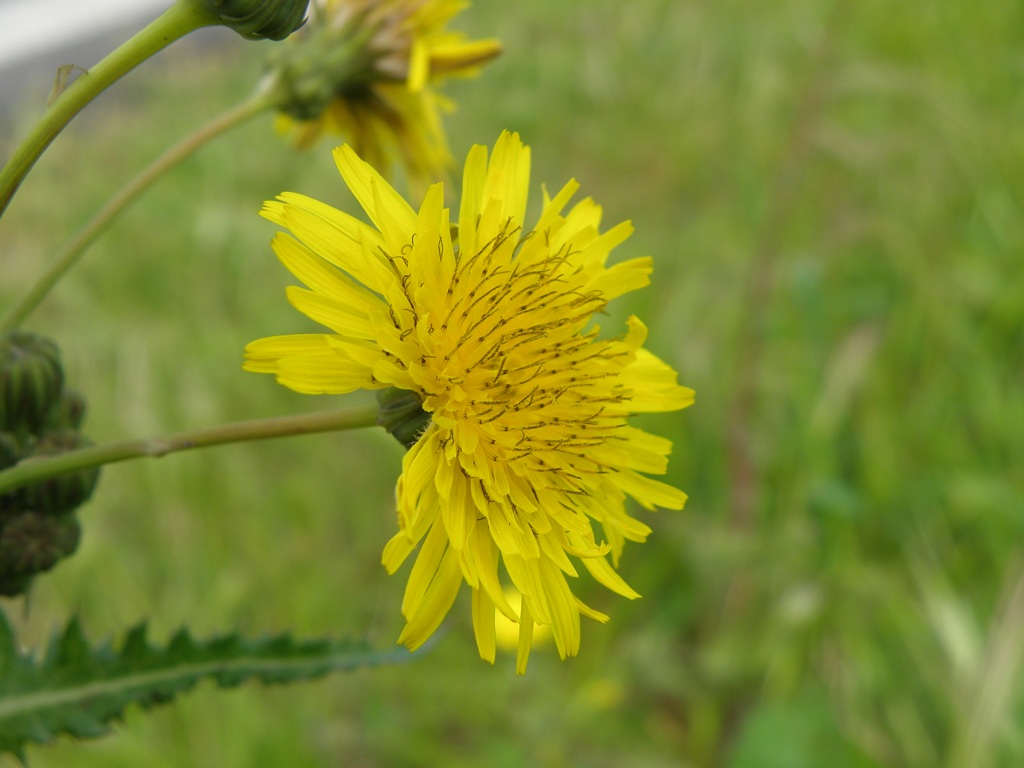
(32, 542)
(401, 414)
(31, 380)
(329, 61)
(259, 19)
(62, 493)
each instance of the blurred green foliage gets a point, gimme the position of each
(832, 192)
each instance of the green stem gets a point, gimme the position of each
(74, 249)
(35, 469)
(180, 19)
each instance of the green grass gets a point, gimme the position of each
(832, 193)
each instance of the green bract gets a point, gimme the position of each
(402, 414)
(61, 493)
(31, 380)
(32, 542)
(259, 19)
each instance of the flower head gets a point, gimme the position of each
(368, 70)
(528, 447)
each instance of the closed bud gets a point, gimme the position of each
(259, 19)
(31, 380)
(326, 61)
(62, 493)
(401, 413)
(32, 542)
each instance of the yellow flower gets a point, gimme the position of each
(368, 70)
(528, 444)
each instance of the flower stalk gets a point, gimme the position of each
(253, 19)
(73, 250)
(35, 469)
(176, 22)
(329, 64)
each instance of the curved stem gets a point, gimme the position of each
(39, 468)
(88, 234)
(176, 22)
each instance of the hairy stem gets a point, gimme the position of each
(176, 22)
(39, 468)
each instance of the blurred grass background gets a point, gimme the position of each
(832, 192)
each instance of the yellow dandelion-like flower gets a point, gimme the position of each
(528, 443)
(368, 69)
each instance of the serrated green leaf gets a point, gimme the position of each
(77, 689)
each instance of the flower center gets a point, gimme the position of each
(511, 362)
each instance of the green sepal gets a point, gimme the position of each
(259, 19)
(327, 61)
(64, 493)
(401, 413)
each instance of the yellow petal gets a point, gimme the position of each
(626, 276)
(424, 570)
(604, 573)
(435, 604)
(507, 181)
(485, 558)
(525, 639)
(565, 617)
(330, 312)
(649, 492)
(317, 275)
(473, 178)
(463, 58)
(388, 210)
(483, 624)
